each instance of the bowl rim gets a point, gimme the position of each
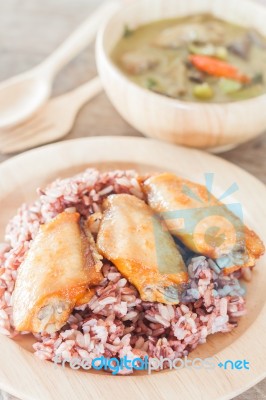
(100, 49)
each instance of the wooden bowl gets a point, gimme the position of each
(211, 126)
(25, 376)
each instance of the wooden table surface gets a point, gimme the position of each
(30, 30)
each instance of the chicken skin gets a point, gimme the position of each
(202, 223)
(60, 267)
(133, 238)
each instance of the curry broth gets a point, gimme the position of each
(168, 70)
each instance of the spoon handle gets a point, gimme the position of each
(79, 39)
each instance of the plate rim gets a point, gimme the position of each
(29, 360)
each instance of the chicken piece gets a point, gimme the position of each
(176, 36)
(60, 267)
(139, 61)
(202, 223)
(215, 31)
(134, 239)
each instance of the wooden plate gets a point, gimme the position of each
(23, 375)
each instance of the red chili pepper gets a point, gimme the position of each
(214, 67)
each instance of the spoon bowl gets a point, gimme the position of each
(21, 96)
(54, 120)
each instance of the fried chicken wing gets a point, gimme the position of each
(202, 222)
(138, 243)
(60, 267)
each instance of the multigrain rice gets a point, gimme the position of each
(116, 322)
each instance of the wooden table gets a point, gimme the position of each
(30, 30)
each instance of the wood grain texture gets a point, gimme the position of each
(24, 94)
(30, 30)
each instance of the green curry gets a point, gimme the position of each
(194, 58)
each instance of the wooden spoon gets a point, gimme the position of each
(53, 121)
(24, 94)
